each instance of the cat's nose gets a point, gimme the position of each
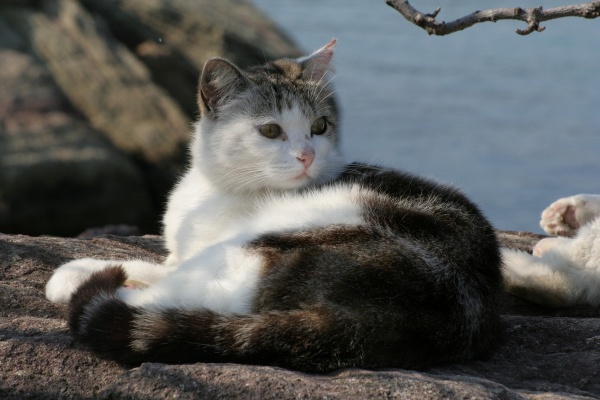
(306, 157)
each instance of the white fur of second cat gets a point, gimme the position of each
(562, 271)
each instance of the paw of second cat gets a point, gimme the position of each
(566, 215)
(559, 218)
(548, 244)
(68, 277)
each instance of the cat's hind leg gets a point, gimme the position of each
(536, 279)
(68, 277)
(566, 215)
(562, 271)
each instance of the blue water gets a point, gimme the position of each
(513, 121)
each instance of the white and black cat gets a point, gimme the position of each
(562, 271)
(282, 254)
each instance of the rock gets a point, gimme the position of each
(176, 37)
(544, 353)
(103, 80)
(57, 174)
(117, 230)
(96, 101)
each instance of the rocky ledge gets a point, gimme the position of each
(544, 354)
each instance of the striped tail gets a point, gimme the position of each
(313, 339)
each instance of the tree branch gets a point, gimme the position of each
(533, 16)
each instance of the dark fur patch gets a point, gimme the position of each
(99, 319)
(290, 69)
(101, 283)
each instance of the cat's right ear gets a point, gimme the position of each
(318, 64)
(219, 82)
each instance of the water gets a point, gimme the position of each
(513, 121)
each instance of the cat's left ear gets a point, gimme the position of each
(220, 81)
(315, 66)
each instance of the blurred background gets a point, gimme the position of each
(96, 99)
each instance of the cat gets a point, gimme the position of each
(281, 253)
(562, 271)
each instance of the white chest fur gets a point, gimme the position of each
(199, 216)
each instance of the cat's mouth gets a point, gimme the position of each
(302, 176)
(299, 180)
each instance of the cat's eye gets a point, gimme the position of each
(319, 126)
(270, 131)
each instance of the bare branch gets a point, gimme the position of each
(533, 16)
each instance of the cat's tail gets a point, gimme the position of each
(551, 280)
(311, 339)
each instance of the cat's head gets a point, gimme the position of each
(269, 127)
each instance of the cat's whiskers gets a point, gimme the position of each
(319, 82)
(323, 86)
(240, 178)
(326, 97)
(244, 169)
(257, 182)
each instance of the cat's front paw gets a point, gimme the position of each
(68, 277)
(566, 215)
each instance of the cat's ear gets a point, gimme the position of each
(219, 82)
(315, 66)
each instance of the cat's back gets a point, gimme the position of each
(438, 218)
(442, 206)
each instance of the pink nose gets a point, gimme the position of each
(306, 157)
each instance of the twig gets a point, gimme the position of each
(533, 16)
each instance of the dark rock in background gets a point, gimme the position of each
(96, 102)
(544, 353)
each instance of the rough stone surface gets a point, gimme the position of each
(544, 354)
(56, 172)
(97, 99)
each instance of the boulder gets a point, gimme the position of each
(544, 353)
(97, 99)
(57, 173)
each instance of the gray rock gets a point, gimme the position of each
(57, 174)
(96, 101)
(174, 38)
(544, 354)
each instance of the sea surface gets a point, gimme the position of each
(513, 121)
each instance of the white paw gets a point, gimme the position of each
(547, 244)
(69, 276)
(565, 216)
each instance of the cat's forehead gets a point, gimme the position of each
(283, 70)
(280, 86)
